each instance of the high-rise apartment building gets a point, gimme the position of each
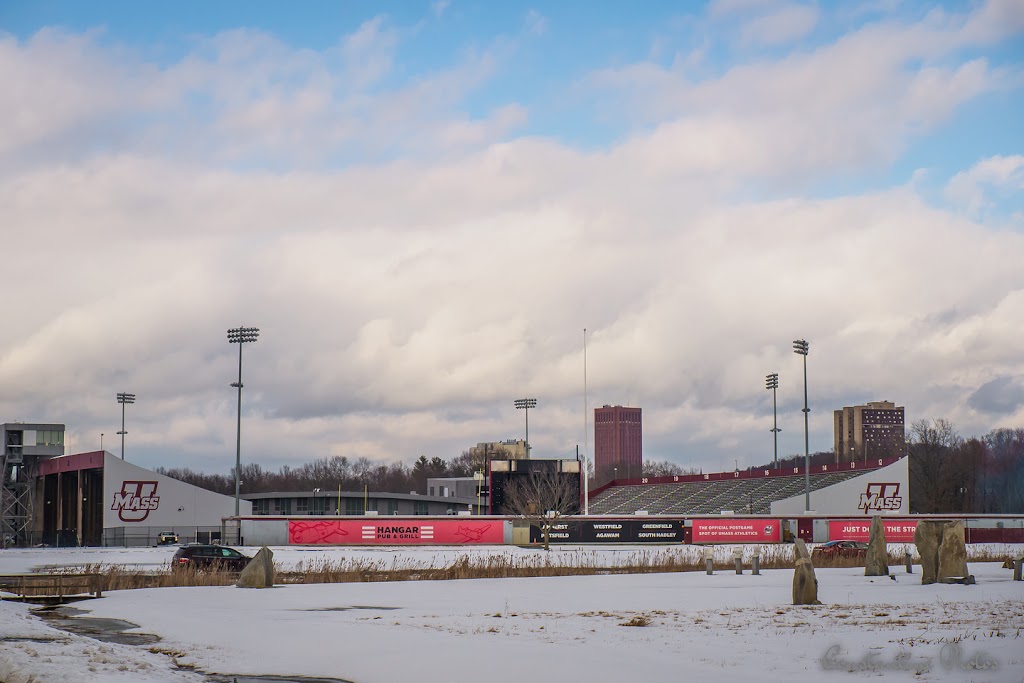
(618, 443)
(875, 430)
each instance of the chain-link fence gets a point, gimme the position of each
(134, 537)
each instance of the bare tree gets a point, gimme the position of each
(542, 497)
(665, 468)
(940, 474)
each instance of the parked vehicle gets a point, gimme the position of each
(848, 552)
(202, 557)
(167, 538)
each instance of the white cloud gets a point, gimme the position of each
(781, 26)
(536, 23)
(971, 189)
(414, 268)
(440, 7)
(854, 103)
(724, 8)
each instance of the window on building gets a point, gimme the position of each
(302, 506)
(319, 506)
(392, 507)
(420, 508)
(262, 506)
(49, 437)
(286, 506)
(353, 506)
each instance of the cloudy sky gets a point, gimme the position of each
(423, 205)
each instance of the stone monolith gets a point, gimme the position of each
(259, 573)
(928, 538)
(877, 561)
(805, 585)
(952, 552)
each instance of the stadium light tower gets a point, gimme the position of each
(526, 404)
(123, 398)
(800, 346)
(772, 382)
(240, 336)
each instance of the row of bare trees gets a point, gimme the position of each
(949, 473)
(332, 472)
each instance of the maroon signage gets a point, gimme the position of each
(395, 531)
(880, 497)
(135, 500)
(737, 531)
(896, 530)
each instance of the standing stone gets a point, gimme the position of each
(928, 538)
(953, 552)
(805, 585)
(259, 573)
(877, 562)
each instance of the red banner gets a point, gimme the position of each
(737, 531)
(896, 530)
(395, 531)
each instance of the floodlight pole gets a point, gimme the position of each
(800, 347)
(526, 404)
(122, 398)
(240, 336)
(586, 432)
(772, 382)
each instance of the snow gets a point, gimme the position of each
(724, 627)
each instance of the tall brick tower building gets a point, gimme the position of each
(618, 443)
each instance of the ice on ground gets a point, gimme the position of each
(651, 627)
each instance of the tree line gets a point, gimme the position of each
(330, 473)
(948, 473)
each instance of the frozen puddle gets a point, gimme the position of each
(221, 678)
(113, 631)
(346, 609)
(105, 630)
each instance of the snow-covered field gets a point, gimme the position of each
(701, 628)
(17, 560)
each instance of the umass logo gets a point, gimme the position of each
(880, 497)
(135, 500)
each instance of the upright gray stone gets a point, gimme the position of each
(952, 552)
(877, 562)
(259, 573)
(805, 585)
(928, 538)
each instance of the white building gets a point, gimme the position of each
(98, 499)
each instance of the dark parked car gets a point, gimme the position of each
(209, 557)
(167, 538)
(848, 552)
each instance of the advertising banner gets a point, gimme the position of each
(613, 531)
(737, 530)
(395, 531)
(896, 530)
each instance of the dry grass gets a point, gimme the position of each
(361, 570)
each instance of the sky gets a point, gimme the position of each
(430, 210)
(645, 627)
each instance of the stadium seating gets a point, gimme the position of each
(743, 496)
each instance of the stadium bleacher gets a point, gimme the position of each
(744, 496)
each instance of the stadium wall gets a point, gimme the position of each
(135, 497)
(884, 491)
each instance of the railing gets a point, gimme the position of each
(60, 586)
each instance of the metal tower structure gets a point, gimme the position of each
(24, 446)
